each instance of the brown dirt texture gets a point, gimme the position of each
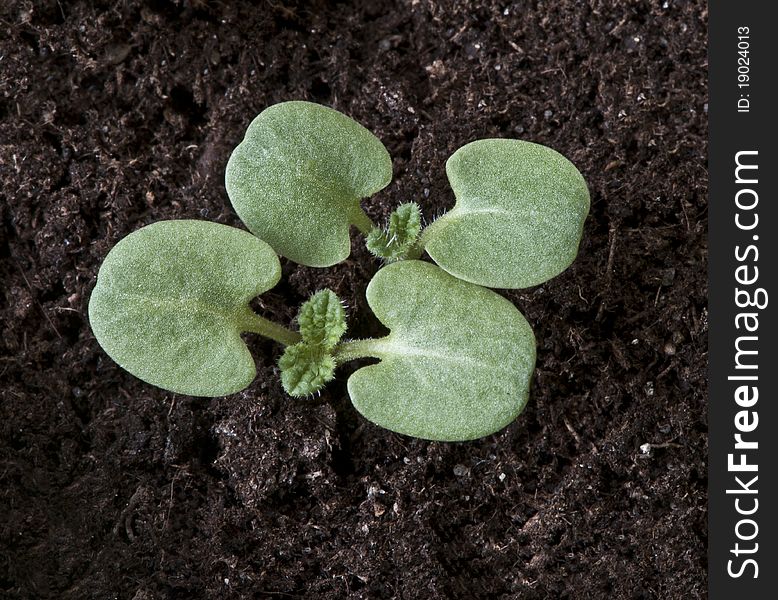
(116, 114)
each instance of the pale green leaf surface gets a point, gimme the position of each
(172, 299)
(518, 218)
(297, 178)
(322, 319)
(457, 364)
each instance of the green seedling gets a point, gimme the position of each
(172, 299)
(297, 178)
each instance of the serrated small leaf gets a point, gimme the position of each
(297, 178)
(518, 217)
(457, 363)
(322, 319)
(171, 301)
(399, 238)
(306, 368)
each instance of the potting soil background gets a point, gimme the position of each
(114, 115)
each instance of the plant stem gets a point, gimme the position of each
(361, 221)
(253, 323)
(354, 349)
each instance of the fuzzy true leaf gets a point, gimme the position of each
(171, 301)
(518, 217)
(322, 319)
(398, 240)
(457, 364)
(297, 178)
(305, 368)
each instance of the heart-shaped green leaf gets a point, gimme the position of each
(518, 218)
(457, 364)
(171, 301)
(297, 178)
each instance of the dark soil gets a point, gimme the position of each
(115, 114)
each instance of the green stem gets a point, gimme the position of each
(361, 221)
(253, 323)
(354, 349)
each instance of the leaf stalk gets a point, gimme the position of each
(253, 323)
(354, 349)
(361, 221)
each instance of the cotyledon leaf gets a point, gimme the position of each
(297, 178)
(171, 301)
(457, 364)
(518, 218)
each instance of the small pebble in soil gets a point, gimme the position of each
(548, 114)
(373, 491)
(670, 349)
(461, 470)
(632, 42)
(390, 42)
